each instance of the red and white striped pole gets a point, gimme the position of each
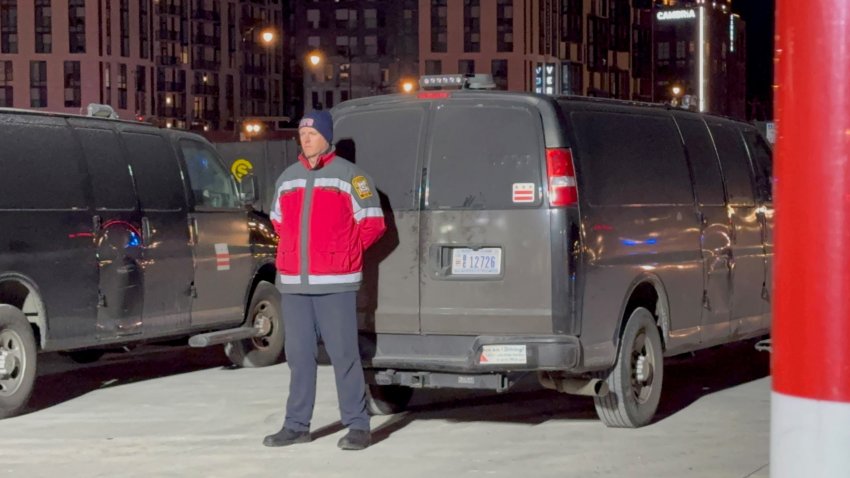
(810, 410)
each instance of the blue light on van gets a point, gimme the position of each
(632, 242)
(134, 240)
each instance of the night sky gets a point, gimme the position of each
(759, 17)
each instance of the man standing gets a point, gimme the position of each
(326, 213)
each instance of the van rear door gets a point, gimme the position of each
(485, 257)
(385, 141)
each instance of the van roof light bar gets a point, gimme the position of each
(101, 111)
(464, 82)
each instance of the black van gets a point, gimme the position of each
(579, 239)
(115, 232)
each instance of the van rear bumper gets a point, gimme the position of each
(471, 354)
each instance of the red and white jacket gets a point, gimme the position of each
(325, 218)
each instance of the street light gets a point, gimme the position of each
(267, 37)
(407, 86)
(253, 128)
(676, 90)
(315, 58)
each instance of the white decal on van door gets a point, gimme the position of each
(222, 257)
(523, 192)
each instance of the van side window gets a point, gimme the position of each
(212, 186)
(40, 166)
(155, 169)
(385, 144)
(480, 152)
(110, 176)
(706, 169)
(630, 159)
(734, 162)
(762, 158)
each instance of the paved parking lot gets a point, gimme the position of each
(176, 412)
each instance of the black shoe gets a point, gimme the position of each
(355, 440)
(286, 437)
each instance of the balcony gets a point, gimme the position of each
(255, 70)
(166, 35)
(206, 65)
(170, 86)
(168, 9)
(207, 15)
(208, 40)
(172, 112)
(254, 94)
(202, 89)
(168, 61)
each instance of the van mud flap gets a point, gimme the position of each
(414, 379)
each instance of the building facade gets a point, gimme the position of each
(700, 54)
(358, 48)
(193, 64)
(581, 47)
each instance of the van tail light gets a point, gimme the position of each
(561, 177)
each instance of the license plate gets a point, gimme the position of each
(480, 262)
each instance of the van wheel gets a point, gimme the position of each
(635, 381)
(387, 399)
(17, 361)
(264, 313)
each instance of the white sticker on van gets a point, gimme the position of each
(222, 257)
(503, 354)
(523, 192)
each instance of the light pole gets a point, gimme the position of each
(676, 90)
(315, 59)
(267, 37)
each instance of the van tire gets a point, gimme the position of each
(387, 399)
(267, 349)
(632, 400)
(18, 343)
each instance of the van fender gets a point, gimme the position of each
(264, 270)
(661, 307)
(31, 301)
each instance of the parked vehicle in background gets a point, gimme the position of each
(115, 233)
(580, 239)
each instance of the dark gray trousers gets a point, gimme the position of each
(333, 318)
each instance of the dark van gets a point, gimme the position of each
(113, 233)
(580, 239)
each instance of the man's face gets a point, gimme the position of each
(312, 143)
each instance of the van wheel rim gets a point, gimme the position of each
(14, 362)
(642, 367)
(264, 320)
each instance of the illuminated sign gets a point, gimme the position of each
(676, 15)
(538, 79)
(549, 79)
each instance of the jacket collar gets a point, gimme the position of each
(324, 159)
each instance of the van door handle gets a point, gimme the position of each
(146, 231)
(193, 231)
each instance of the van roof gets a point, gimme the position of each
(52, 114)
(402, 98)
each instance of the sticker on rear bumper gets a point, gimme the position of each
(503, 355)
